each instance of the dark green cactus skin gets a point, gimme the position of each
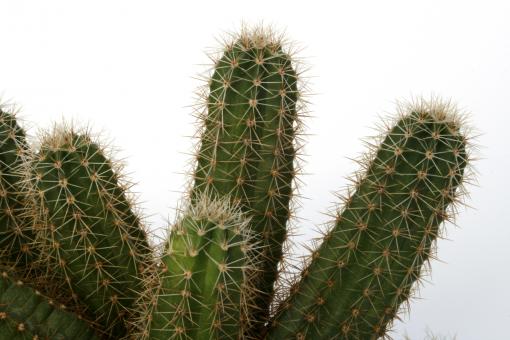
(16, 236)
(90, 236)
(25, 314)
(247, 148)
(369, 260)
(203, 290)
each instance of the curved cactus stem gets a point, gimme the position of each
(376, 249)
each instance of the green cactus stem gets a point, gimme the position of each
(248, 143)
(385, 233)
(203, 290)
(25, 314)
(90, 235)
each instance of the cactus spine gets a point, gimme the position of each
(380, 240)
(90, 235)
(203, 289)
(247, 149)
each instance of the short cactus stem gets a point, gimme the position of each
(202, 290)
(384, 234)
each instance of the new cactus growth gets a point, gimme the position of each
(203, 289)
(247, 149)
(25, 314)
(67, 209)
(90, 235)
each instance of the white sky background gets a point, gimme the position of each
(127, 68)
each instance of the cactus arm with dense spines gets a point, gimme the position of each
(248, 145)
(90, 236)
(369, 260)
(26, 314)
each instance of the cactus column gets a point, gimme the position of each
(369, 260)
(90, 236)
(247, 147)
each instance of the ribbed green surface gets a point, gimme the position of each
(16, 235)
(26, 314)
(247, 147)
(368, 262)
(90, 235)
(203, 289)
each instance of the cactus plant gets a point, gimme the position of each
(216, 272)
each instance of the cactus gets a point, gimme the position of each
(89, 234)
(67, 208)
(203, 289)
(247, 147)
(16, 236)
(26, 314)
(384, 234)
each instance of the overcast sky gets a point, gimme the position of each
(128, 69)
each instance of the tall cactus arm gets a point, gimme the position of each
(248, 144)
(368, 262)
